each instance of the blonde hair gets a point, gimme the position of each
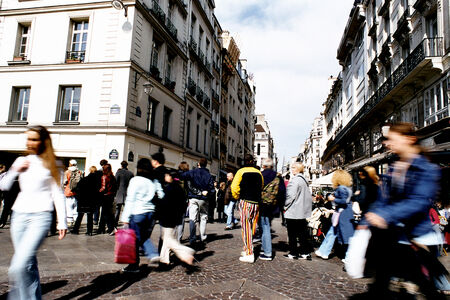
(92, 169)
(341, 177)
(300, 166)
(372, 173)
(222, 185)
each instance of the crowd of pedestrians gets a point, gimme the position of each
(396, 209)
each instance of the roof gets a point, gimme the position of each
(259, 128)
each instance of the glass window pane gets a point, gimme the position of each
(76, 38)
(76, 95)
(86, 25)
(78, 26)
(84, 37)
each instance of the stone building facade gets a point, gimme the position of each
(110, 83)
(395, 67)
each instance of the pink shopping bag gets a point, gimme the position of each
(125, 248)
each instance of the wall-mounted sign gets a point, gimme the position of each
(130, 156)
(114, 154)
(114, 110)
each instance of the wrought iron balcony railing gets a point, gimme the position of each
(199, 94)
(75, 56)
(172, 29)
(429, 47)
(158, 12)
(192, 87)
(193, 44)
(168, 83)
(206, 101)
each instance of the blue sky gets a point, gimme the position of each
(291, 49)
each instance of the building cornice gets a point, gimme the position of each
(60, 8)
(65, 67)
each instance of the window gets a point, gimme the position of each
(19, 108)
(205, 142)
(258, 151)
(166, 122)
(155, 54)
(188, 134)
(197, 133)
(24, 37)
(69, 103)
(79, 40)
(151, 115)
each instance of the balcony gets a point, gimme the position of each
(214, 95)
(415, 62)
(246, 123)
(384, 8)
(385, 55)
(154, 72)
(206, 101)
(158, 12)
(172, 29)
(214, 127)
(192, 87)
(169, 84)
(201, 55)
(223, 120)
(199, 95)
(75, 57)
(373, 72)
(402, 32)
(193, 45)
(216, 67)
(424, 6)
(20, 60)
(373, 28)
(231, 158)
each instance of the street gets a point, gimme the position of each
(82, 267)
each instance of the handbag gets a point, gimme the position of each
(355, 259)
(125, 247)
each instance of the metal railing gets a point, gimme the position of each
(172, 29)
(192, 87)
(158, 12)
(429, 47)
(75, 56)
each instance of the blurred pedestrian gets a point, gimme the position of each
(170, 210)
(40, 192)
(123, 177)
(139, 210)
(99, 174)
(183, 167)
(342, 219)
(107, 192)
(368, 188)
(402, 233)
(87, 198)
(8, 200)
(212, 203)
(297, 209)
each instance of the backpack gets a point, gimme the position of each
(270, 192)
(75, 177)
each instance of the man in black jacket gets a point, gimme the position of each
(200, 187)
(123, 177)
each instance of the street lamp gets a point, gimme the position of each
(118, 4)
(148, 88)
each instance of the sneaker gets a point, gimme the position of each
(305, 256)
(155, 259)
(243, 253)
(318, 254)
(264, 257)
(130, 269)
(343, 260)
(247, 258)
(229, 228)
(256, 240)
(290, 256)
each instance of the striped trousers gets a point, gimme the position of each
(249, 218)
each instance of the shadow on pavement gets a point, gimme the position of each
(45, 287)
(106, 283)
(281, 246)
(201, 256)
(215, 237)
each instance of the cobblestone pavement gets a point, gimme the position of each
(81, 267)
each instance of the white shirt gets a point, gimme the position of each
(38, 190)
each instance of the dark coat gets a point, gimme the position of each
(199, 180)
(228, 195)
(345, 228)
(173, 206)
(88, 196)
(220, 200)
(123, 177)
(367, 195)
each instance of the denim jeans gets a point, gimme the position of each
(28, 230)
(328, 243)
(229, 211)
(266, 237)
(142, 225)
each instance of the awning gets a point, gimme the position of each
(368, 161)
(323, 181)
